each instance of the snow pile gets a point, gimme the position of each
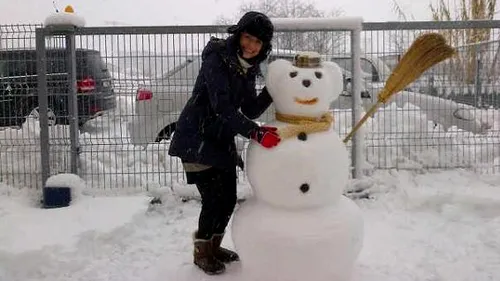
(108, 164)
(109, 161)
(27, 229)
(76, 184)
(405, 138)
(66, 18)
(20, 162)
(432, 226)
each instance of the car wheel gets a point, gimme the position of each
(166, 133)
(35, 113)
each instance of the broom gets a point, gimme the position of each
(426, 51)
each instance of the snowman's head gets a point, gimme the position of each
(307, 86)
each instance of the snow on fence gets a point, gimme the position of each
(446, 119)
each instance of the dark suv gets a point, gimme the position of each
(19, 86)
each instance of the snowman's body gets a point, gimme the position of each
(317, 162)
(317, 244)
(298, 226)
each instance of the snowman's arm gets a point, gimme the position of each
(216, 77)
(253, 106)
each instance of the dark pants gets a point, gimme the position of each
(217, 188)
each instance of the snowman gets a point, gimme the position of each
(297, 225)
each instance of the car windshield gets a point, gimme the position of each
(346, 63)
(90, 63)
(17, 68)
(22, 63)
(185, 70)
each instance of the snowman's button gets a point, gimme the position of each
(302, 136)
(304, 188)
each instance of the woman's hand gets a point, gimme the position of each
(266, 136)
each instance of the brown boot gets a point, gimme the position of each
(222, 254)
(203, 257)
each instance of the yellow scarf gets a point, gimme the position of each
(303, 124)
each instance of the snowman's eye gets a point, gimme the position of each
(293, 74)
(318, 74)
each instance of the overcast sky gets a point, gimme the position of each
(182, 12)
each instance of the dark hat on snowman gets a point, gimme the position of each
(307, 60)
(256, 24)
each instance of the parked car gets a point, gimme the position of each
(447, 112)
(19, 86)
(158, 105)
(373, 69)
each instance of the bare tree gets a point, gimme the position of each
(401, 39)
(321, 41)
(466, 40)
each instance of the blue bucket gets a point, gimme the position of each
(56, 197)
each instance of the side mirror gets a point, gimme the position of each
(366, 94)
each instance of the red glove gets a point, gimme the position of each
(266, 136)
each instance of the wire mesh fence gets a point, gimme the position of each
(448, 117)
(20, 162)
(131, 84)
(153, 71)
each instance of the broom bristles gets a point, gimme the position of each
(427, 50)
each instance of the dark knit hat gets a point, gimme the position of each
(256, 24)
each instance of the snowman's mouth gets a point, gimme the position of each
(306, 101)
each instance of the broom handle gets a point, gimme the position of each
(386, 93)
(362, 121)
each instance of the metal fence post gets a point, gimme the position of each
(72, 101)
(357, 157)
(41, 62)
(477, 77)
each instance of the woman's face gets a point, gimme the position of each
(250, 45)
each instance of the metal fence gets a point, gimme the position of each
(112, 99)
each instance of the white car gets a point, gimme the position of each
(158, 106)
(446, 112)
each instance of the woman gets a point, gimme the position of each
(207, 126)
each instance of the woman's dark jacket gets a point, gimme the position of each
(211, 118)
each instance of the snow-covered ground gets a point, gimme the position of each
(431, 226)
(420, 225)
